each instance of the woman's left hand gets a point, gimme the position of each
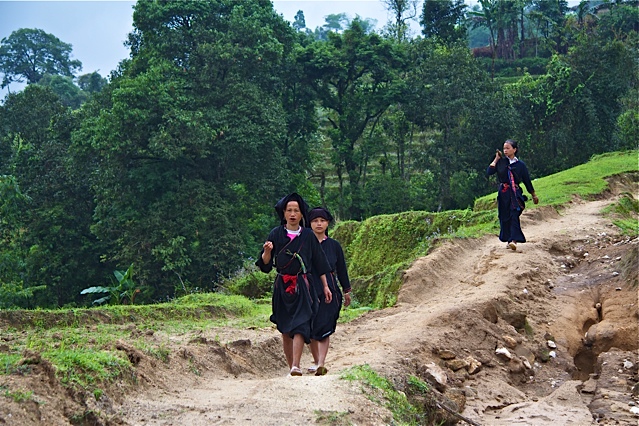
(347, 300)
(535, 199)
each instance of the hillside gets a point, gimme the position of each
(572, 284)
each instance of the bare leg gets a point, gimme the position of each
(287, 344)
(322, 347)
(297, 347)
(314, 347)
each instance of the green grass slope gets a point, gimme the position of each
(381, 247)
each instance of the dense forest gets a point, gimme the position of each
(167, 172)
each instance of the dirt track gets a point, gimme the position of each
(468, 297)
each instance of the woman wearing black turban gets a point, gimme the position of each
(325, 321)
(299, 260)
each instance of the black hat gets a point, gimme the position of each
(281, 206)
(319, 212)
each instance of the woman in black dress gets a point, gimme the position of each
(299, 260)
(511, 173)
(326, 319)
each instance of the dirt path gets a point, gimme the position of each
(468, 297)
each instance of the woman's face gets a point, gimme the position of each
(509, 151)
(293, 214)
(319, 225)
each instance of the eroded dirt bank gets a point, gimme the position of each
(561, 306)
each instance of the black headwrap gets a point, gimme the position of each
(320, 212)
(280, 207)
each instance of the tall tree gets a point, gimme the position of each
(29, 54)
(300, 22)
(55, 242)
(70, 95)
(336, 22)
(444, 19)
(447, 94)
(354, 75)
(550, 16)
(191, 136)
(402, 11)
(92, 82)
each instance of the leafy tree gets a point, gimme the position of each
(336, 22)
(572, 112)
(12, 265)
(193, 140)
(31, 53)
(300, 22)
(70, 95)
(54, 244)
(448, 97)
(549, 16)
(354, 75)
(444, 19)
(627, 132)
(402, 11)
(92, 82)
(620, 21)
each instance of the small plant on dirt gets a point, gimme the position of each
(97, 394)
(376, 386)
(193, 368)
(332, 418)
(624, 214)
(9, 363)
(18, 395)
(122, 292)
(528, 329)
(161, 353)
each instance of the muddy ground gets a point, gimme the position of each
(564, 307)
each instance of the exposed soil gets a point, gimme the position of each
(572, 285)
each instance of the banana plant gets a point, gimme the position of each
(122, 293)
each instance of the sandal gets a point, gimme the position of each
(321, 371)
(296, 371)
(512, 245)
(312, 368)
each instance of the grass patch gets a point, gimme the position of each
(17, 395)
(80, 343)
(86, 368)
(625, 215)
(9, 364)
(381, 391)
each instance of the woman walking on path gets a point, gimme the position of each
(299, 260)
(511, 172)
(326, 320)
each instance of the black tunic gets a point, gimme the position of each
(326, 320)
(510, 204)
(294, 306)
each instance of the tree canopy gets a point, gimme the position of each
(29, 54)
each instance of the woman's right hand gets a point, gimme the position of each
(496, 159)
(268, 247)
